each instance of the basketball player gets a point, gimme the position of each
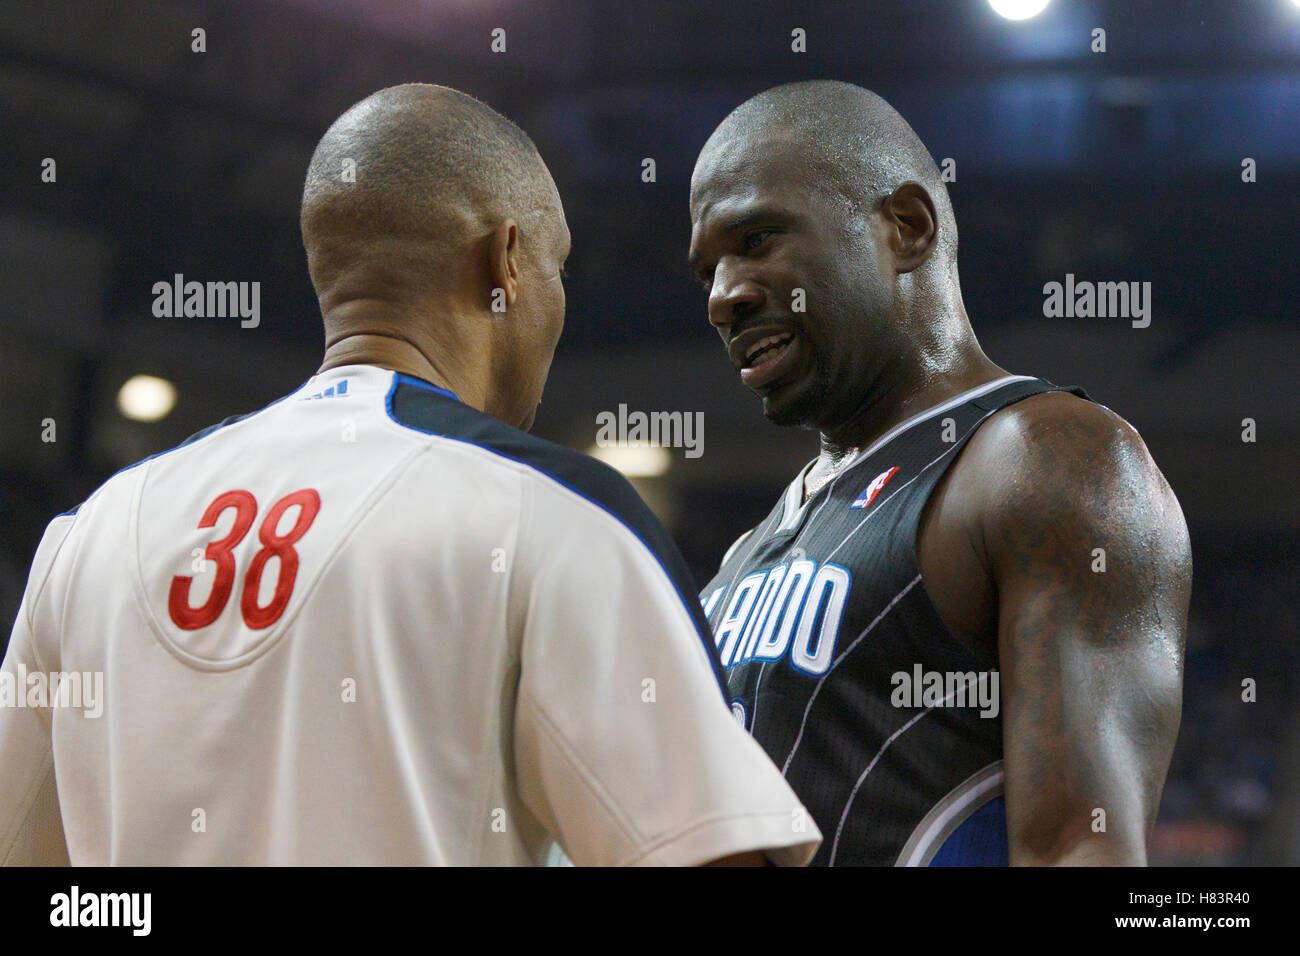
(959, 632)
(376, 622)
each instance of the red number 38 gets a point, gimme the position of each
(221, 552)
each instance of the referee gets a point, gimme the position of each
(376, 622)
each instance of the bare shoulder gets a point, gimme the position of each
(1055, 473)
(1056, 445)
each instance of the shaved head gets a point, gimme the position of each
(851, 142)
(436, 242)
(824, 233)
(408, 177)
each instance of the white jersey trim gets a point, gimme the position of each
(952, 810)
(794, 505)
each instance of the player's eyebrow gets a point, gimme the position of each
(746, 217)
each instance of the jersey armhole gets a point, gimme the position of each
(990, 409)
(734, 546)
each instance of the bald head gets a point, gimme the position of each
(823, 231)
(406, 180)
(436, 242)
(849, 141)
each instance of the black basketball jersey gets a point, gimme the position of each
(887, 727)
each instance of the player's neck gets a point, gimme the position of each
(923, 384)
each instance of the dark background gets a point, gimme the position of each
(1115, 166)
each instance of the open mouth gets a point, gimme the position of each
(764, 358)
(767, 349)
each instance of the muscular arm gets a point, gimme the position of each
(1091, 661)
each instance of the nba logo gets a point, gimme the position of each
(869, 493)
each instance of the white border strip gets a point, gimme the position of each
(790, 514)
(954, 809)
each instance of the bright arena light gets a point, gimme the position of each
(144, 398)
(1019, 9)
(635, 461)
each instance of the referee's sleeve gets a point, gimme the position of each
(626, 750)
(31, 828)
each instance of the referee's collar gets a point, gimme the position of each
(364, 368)
(418, 382)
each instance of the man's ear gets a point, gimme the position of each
(503, 261)
(912, 223)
